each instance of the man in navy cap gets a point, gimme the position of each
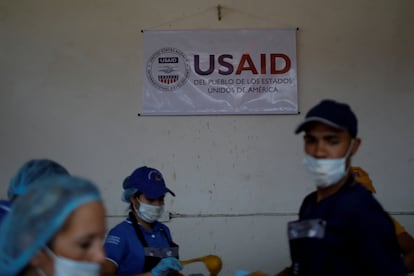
(342, 229)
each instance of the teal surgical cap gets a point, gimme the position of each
(31, 171)
(127, 192)
(37, 215)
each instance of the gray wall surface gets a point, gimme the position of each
(70, 90)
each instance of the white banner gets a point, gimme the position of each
(200, 72)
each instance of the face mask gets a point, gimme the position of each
(67, 267)
(326, 172)
(148, 212)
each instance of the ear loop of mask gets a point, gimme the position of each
(348, 153)
(40, 272)
(50, 254)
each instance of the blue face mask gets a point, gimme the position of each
(326, 172)
(67, 267)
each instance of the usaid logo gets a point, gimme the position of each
(168, 69)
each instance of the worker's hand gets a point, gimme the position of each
(166, 265)
(248, 273)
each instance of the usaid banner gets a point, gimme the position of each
(220, 72)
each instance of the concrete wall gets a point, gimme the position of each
(70, 90)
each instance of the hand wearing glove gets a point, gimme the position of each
(248, 273)
(166, 265)
(242, 273)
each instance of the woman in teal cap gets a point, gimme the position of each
(31, 171)
(28, 173)
(55, 228)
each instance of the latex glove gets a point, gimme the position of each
(165, 265)
(248, 273)
(242, 273)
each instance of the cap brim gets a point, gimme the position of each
(302, 126)
(157, 194)
(171, 192)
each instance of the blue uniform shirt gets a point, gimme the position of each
(4, 208)
(124, 249)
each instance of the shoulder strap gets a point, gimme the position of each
(138, 231)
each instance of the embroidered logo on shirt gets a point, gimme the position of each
(113, 239)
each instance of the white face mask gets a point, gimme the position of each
(67, 267)
(148, 212)
(326, 172)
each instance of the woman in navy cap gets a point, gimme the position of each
(141, 245)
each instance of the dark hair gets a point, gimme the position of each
(131, 206)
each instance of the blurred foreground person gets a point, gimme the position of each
(31, 171)
(28, 173)
(55, 228)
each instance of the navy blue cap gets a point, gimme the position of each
(332, 113)
(148, 181)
